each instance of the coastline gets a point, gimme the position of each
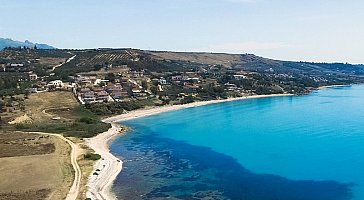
(156, 110)
(107, 168)
(332, 86)
(99, 186)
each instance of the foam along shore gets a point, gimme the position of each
(109, 166)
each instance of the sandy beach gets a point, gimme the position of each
(99, 186)
(332, 86)
(107, 168)
(156, 110)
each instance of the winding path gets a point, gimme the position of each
(73, 193)
(67, 61)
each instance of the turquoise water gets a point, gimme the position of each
(306, 147)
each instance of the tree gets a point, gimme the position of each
(145, 85)
(110, 77)
(154, 90)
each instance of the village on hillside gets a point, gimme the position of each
(152, 78)
(123, 84)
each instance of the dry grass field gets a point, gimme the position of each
(41, 107)
(28, 195)
(36, 105)
(50, 61)
(14, 144)
(204, 58)
(39, 168)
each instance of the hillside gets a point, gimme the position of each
(110, 81)
(205, 75)
(6, 42)
(203, 58)
(256, 63)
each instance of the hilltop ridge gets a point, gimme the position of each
(7, 42)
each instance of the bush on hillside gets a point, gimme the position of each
(92, 156)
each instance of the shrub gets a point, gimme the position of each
(92, 156)
(87, 120)
(68, 129)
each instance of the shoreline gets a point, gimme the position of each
(107, 168)
(161, 109)
(332, 86)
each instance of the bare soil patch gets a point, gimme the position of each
(51, 61)
(65, 113)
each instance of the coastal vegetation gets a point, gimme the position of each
(68, 129)
(58, 112)
(83, 124)
(116, 108)
(92, 156)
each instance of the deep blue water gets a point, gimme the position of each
(281, 148)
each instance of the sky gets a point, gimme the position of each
(297, 30)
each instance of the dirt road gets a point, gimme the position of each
(67, 61)
(73, 193)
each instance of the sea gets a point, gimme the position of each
(307, 147)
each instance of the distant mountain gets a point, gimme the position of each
(6, 42)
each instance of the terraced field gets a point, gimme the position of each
(111, 57)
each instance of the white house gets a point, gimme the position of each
(16, 65)
(136, 74)
(55, 84)
(3, 67)
(162, 81)
(239, 77)
(33, 77)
